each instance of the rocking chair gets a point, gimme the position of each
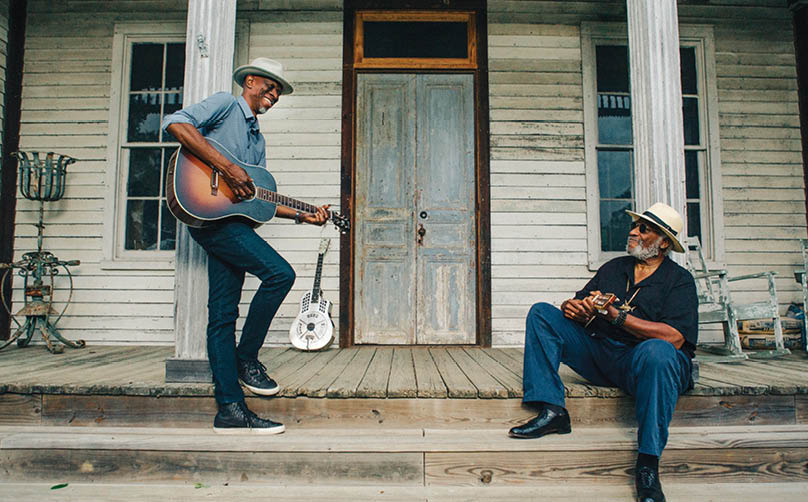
(716, 306)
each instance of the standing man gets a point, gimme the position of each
(232, 244)
(643, 343)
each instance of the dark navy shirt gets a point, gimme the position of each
(229, 121)
(668, 295)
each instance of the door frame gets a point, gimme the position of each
(481, 137)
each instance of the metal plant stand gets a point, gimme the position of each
(43, 180)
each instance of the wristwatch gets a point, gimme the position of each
(298, 217)
(620, 319)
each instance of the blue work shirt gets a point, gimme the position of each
(227, 120)
(668, 295)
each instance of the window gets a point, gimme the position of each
(148, 81)
(415, 40)
(608, 129)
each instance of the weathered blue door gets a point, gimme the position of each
(415, 262)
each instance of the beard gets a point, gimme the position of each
(642, 252)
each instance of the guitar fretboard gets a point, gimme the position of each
(315, 291)
(276, 198)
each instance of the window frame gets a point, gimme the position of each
(700, 37)
(115, 256)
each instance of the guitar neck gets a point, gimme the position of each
(282, 200)
(315, 290)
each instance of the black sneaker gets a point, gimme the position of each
(236, 418)
(254, 376)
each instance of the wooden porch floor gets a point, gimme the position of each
(361, 372)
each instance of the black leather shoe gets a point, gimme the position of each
(254, 376)
(646, 479)
(547, 422)
(236, 418)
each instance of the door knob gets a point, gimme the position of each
(421, 233)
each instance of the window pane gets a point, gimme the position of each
(614, 225)
(690, 112)
(410, 39)
(612, 68)
(687, 56)
(614, 174)
(144, 117)
(694, 219)
(168, 229)
(614, 119)
(141, 224)
(175, 66)
(147, 67)
(692, 174)
(144, 173)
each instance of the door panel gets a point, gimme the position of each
(385, 177)
(446, 275)
(415, 169)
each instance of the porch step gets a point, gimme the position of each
(692, 492)
(395, 458)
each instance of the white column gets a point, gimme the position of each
(209, 46)
(656, 91)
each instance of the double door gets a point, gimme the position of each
(415, 232)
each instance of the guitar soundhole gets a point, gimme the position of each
(310, 326)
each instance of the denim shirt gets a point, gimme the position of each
(227, 120)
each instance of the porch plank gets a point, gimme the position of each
(402, 374)
(91, 358)
(511, 383)
(374, 383)
(347, 382)
(725, 373)
(506, 359)
(274, 357)
(487, 386)
(427, 376)
(20, 409)
(292, 384)
(457, 383)
(317, 385)
(778, 382)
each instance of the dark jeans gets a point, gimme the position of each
(233, 249)
(653, 371)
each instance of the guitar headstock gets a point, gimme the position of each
(342, 222)
(324, 245)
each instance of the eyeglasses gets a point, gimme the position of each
(645, 227)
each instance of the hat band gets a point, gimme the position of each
(660, 222)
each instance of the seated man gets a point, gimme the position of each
(642, 343)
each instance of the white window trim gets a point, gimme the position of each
(114, 258)
(701, 37)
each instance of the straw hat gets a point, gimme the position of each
(667, 219)
(263, 67)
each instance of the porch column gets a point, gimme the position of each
(656, 91)
(209, 45)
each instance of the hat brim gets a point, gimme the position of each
(242, 71)
(677, 246)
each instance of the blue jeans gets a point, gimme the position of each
(234, 248)
(653, 371)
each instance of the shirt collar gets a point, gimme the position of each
(248, 114)
(659, 276)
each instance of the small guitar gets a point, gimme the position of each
(313, 328)
(197, 198)
(601, 302)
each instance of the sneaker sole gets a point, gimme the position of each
(262, 392)
(248, 430)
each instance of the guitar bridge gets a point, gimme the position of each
(214, 182)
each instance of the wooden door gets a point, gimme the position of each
(415, 259)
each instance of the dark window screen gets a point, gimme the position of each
(411, 39)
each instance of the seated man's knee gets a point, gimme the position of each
(656, 354)
(287, 276)
(542, 309)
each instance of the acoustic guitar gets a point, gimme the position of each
(601, 303)
(196, 197)
(313, 328)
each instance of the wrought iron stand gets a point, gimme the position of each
(41, 179)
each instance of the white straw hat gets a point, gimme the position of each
(667, 219)
(263, 67)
